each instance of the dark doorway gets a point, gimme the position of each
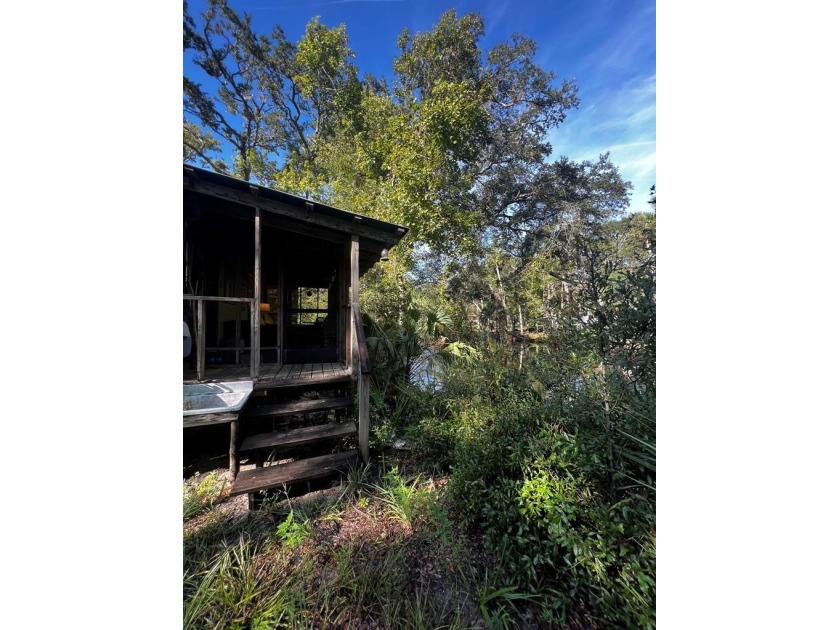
(311, 312)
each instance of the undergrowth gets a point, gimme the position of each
(386, 554)
(555, 467)
(527, 500)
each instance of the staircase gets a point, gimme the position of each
(299, 430)
(294, 432)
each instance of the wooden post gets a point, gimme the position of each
(199, 333)
(361, 372)
(354, 302)
(354, 269)
(364, 415)
(251, 315)
(234, 457)
(344, 307)
(281, 299)
(238, 331)
(354, 344)
(255, 316)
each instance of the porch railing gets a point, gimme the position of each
(200, 330)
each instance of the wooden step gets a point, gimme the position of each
(299, 406)
(296, 437)
(297, 383)
(302, 470)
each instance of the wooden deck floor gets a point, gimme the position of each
(269, 372)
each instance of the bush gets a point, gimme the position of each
(561, 484)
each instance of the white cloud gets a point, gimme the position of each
(622, 122)
(625, 47)
(493, 15)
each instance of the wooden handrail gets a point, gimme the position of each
(361, 341)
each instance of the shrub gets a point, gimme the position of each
(560, 477)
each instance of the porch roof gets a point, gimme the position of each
(292, 206)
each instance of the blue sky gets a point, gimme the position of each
(608, 46)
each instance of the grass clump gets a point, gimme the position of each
(404, 500)
(245, 586)
(201, 492)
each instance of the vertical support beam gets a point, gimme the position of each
(251, 316)
(354, 269)
(255, 312)
(354, 345)
(199, 350)
(254, 317)
(363, 379)
(234, 457)
(281, 307)
(344, 305)
(238, 333)
(364, 416)
(354, 301)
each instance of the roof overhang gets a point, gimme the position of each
(312, 216)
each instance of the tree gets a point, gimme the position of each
(242, 112)
(273, 101)
(436, 150)
(201, 146)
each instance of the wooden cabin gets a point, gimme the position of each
(271, 296)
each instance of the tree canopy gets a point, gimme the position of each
(455, 148)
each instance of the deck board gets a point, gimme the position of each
(301, 470)
(270, 373)
(337, 379)
(242, 370)
(296, 437)
(300, 406)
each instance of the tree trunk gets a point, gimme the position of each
(508, 326)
